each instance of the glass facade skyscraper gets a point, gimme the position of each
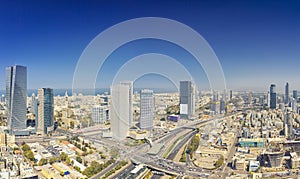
(45, 111)
(273, 96)
(295, 95)
(187, 99)
(16, 97)
(287, 94)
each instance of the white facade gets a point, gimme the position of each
(130, 85)
(99, 114)
(119, 111)
(147, 106)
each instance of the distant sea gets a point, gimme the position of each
(61, 92)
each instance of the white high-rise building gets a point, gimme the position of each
(130, 85)
(99, 114)
(147, 107)
(119, 111)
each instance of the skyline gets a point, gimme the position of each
(257, 42)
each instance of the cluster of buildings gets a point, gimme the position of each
(218, 105)
(269, 137)
(121, 107)
(273, 99)
(16, 103)
(12, 163)
(117, 109)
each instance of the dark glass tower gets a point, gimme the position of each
(287, 94)
(273, 96)
(45, 110)
(295, 95)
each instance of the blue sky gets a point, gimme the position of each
(257, 42)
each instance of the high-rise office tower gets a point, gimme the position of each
(222, 106)
(99, 114)
(294, 105)
(33, 104)
(130, 85)
(249, 98)
(45, 111)
(224, 95)
(215, 96)
(268, 98)
(295, 95)
(230, 95)
(288, 124)
(147, 107)
(273, 96)
(16, 97)
(187, 99)
(119, 111)
(287, 94)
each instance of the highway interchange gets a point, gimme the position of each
(138, 154)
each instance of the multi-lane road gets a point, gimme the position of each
(138, 153)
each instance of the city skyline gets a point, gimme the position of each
(251, 44)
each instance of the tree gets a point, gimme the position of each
(77, 168)
(29, 155)
(25, 147)
(43, 161)
(84, 149)
(63, 156)
(68, 161)
(72, 125)
(219, 162)
(114, 152)
(94, 168)
(52, 160)
(103, 156)
(79, 159)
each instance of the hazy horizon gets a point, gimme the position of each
(256, 42)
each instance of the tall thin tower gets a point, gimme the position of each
(45, 111)
(287, 95)
(273, 96)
